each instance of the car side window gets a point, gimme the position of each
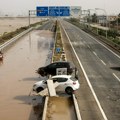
(65, 65)
(54, 80)
(52, 65)
(61, 79)
(59, 65)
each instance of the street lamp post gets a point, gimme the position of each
(91, 10)
(29, 18)
(106, 17)
(117, 24)
(83, 13)
(90, 15)
(85, 16)
(97, 20)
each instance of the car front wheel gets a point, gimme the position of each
(39, 89)
(69, 90)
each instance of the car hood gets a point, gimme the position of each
(39, 83)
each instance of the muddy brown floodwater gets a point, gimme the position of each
(17, 75)
(8, 24)
(60, 108)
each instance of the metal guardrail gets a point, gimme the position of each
(104, 40)
(47, 97)
(14, 39)
(107, 41)
(76, 108)
(45, 108)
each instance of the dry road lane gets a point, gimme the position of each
(102, 67)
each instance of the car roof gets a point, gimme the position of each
(61, 62)
(61, 76)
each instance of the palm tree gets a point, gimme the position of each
(118, 18)
(94, 18)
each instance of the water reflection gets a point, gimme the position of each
(1, 58)
(39, 45)
(35, 78)
(20, 63)
(1, 62)
(37, 103)
(29, 35)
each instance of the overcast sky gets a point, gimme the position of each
(21, 7)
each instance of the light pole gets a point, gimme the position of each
(85, 15)
(31, 12)
(91, 10)
(89, 17)
(29, 18)
(90, 14)
(97, 20)
(117, 24)
(106, 17)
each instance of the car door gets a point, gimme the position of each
(62, 82)
(51, 69)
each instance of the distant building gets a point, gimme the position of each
(112, 18)
(102, 19)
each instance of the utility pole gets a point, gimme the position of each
(89, 13)
(85, 15)
(106, 18)
(30, 12)
(29, 18)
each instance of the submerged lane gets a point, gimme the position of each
(17, 74)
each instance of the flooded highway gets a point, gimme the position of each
(17, 74)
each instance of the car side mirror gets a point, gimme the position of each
(45, 82)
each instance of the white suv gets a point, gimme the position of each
(67, 82)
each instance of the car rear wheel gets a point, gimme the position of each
(69, 90)
(41, 72)
(39, 89)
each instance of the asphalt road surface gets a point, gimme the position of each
(17, 74)
(103, 70)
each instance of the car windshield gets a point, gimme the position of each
(73, 78)
(45, 82)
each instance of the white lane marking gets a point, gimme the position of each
(116, 77)
(72, 46)
(94, 53)
(77, 108)
(88, 46)
(98, 103)
(81, 38)
(102, 44)
(99, 58)
(103, 62)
